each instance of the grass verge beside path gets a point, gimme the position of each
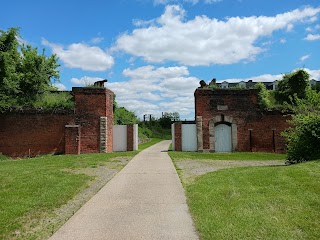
(258, 203)
(33, 189)
(270, 202)
(227, 156)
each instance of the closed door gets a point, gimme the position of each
(223, 142)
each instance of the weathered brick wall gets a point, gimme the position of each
(242, 107)
(177, 137)
(90, 105)
(35, 133)
(31, 133)
(72, 139)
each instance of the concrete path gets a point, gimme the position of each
(145, 200)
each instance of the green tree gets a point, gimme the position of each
(295, 83)
(303, 138)
(122, 116)
(167, 118)
(24, 74)
(9, 59)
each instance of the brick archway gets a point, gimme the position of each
(222, 119)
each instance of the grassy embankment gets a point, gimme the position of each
(33, 189)
(270, 202)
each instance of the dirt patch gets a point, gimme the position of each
(190, 169)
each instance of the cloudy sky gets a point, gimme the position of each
(155, 52)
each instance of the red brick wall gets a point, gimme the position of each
(177, 137)
(35, 133)
(90, 105)
(72, 139)
(242, 106)
(130, 137)
(31, 134)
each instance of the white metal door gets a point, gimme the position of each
(189, 137)
(223, 140)
(120, 138)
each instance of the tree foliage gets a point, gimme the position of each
(122, 116)
(303, 138)
(295, 83)
(167, 118)
(24, 74)
(263, 95)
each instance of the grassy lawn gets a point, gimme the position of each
(31, 189)
(279, 202)
(227, 156)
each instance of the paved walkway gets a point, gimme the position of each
(145, 200)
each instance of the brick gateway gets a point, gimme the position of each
(231, 120)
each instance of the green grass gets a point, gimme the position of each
(3, 157)
(227, 156)
(149, 143)
(258, 202)
(32, 188)
(51, 100)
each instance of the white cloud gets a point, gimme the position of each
(312, 37)
(152, 90)
(85, 81)
(79, 55)
(283, 40)
(60, 86)
(96, 40)
(204, 40)
(309, 29)
(314, 74)
(305, 57)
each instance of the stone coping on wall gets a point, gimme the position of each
(91, 90)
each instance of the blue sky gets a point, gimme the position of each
(155, 52)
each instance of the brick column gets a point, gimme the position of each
(72, 139)
(132, 137)
(94, 113)
(177, 137)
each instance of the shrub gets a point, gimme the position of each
(50, 100)
(304, 136)
(263, 95)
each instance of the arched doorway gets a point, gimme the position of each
(223, 138)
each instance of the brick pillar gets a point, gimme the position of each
(177, 137)
(92, 105)
(72, 139)
(132, 137)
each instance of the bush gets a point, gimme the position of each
(304, 136)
